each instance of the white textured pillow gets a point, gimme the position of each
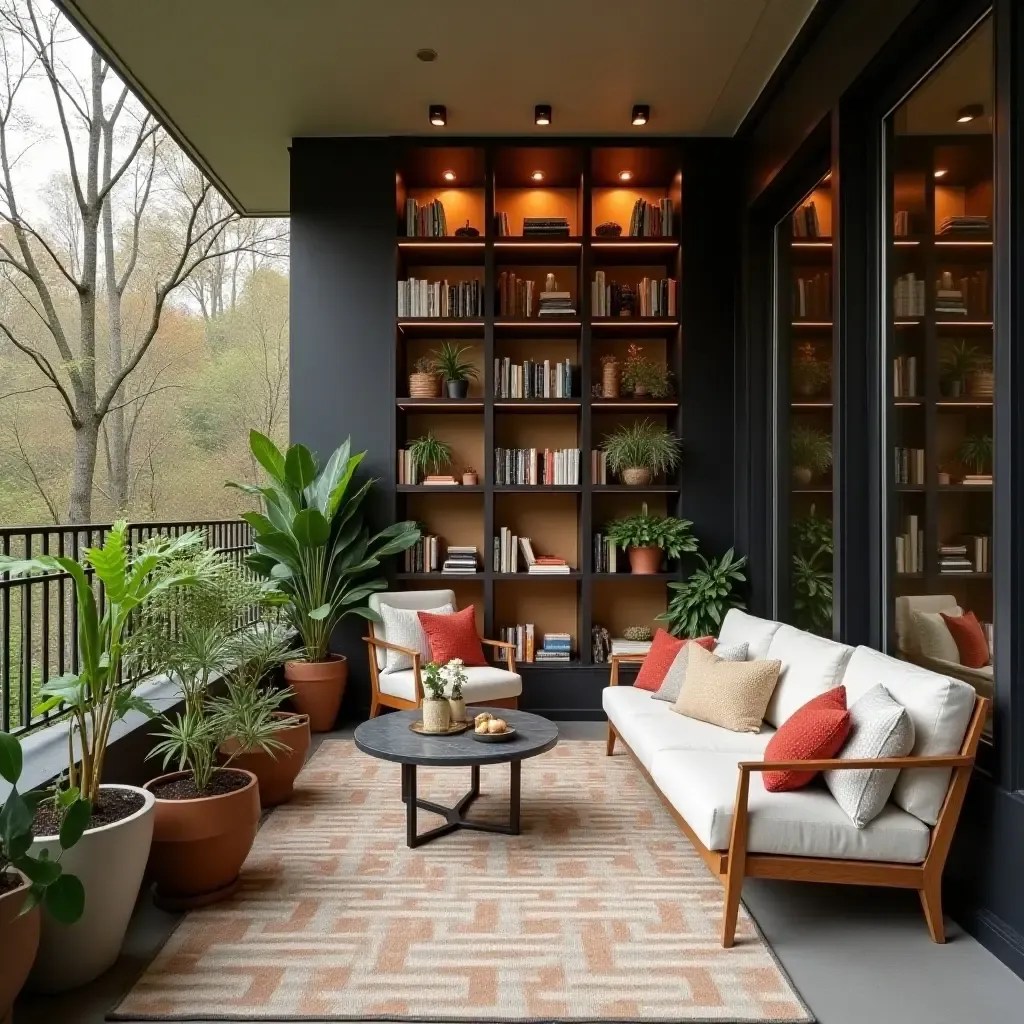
(934, 638)
(879, 727)
(669, 689)
(402, 627)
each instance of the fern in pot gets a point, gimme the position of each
(430, 455)
(450, 360)
(698, 605)
(639, 451)
(648, 537)
(810, 453)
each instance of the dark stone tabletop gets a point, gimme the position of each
(389, 737)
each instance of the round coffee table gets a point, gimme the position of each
(390, 738)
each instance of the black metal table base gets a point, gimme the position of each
(455, 816)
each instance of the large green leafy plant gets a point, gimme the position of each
(312, 541)
(670, 534)
(699, 604)
(97, 695)
(811, 572)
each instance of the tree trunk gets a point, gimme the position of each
(84, 468)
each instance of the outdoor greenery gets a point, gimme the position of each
(811, 572)
(647, 376)
(976, 452)
(312, 541)
(450, 362)
(810, 448)
(642, 445)
(430, 455)
(670, 534)
(698, 605)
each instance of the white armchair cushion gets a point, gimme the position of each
(940, 708)
(934, 639)
(483, 683)
(739, 627)
(907, 604)
(810, 666)
(418, 600)
(402, 626)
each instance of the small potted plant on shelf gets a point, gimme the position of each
(429, 455)
(810, 452)
(976, 454)
(811, 572)
(457, 373)
(28, 880)
(638, 634)
(437, 712)
(609, 376)
(699, 604)
(455, 674)
(424, 381)
(956, 363)
(637, 451)
(646, 537)
(643, 377)
(316, 549)
(470, 477)
(811, 376)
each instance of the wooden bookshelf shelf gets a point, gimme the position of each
(545, 576)
(550, 327)
(533, 405)
(440, 489)
(440, 575)
(446, 405)
(537, 488)
(667, 577)
(633, 326)
(964, 488)
(628, 489)
(438, 325)
(639, 404)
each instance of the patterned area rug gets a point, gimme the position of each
(599, 911)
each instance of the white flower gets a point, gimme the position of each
(455, 663)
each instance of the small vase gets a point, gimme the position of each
(610, 380)
(644, 561)
(457, 388)
(470, 480)
(437, 714)
(802, 476)
(640, 391)
(457, 708)
(423, 385)
(943, 479)
(636, 476)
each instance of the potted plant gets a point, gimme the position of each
(457, 373)
(699, 604)
(811, 572)
(976, 453)
(26, 881)
(636, 451)
(642, 377)
(110, 859)
(810, 451)
(437, 712)
(455, 676)
(429, 455)
(811, 376)
(423, 381)
(609, 377)
(315, 547)
(638, 634)
(470, 477)
(957, 361)
(646, 537)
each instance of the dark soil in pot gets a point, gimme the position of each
(9, 882)
(113, 805)
(185, 788)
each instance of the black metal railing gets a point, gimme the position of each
(39, 614)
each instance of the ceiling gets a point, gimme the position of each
(236, 80)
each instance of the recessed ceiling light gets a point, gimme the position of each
(625, 175)
(426, 55)
(537, 175)
(448, 175)
(969, 113)
(941, 172)
(641, 113)
(438, 115)
(542, 113)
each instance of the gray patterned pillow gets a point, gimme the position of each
(879, 727)
(673, 681)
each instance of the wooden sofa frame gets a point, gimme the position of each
(380, 700)
(735, 864)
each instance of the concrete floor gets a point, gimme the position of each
(854, 955)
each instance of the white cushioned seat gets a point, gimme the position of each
(810, 666)
(483, 683)
(701, 786)
(739, 627)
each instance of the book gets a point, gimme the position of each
(428, 299)
(426, 221)
(535, 379)
(651, 220)
(534, 467)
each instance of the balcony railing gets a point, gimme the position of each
(39, 615)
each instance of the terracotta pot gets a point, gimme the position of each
(802, 476)
(640, 391)
(457, 388)
(317, 689)
(644, 561)
(636, 476)
(19, 940)
(199, 846)
(275, 773)
(437, 715)
(470, 479)
(424, 385)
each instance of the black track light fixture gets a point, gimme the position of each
(969, 113)
(641, 113)
(438, 115)
(542, 114)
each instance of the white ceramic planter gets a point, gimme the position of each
(110, 861)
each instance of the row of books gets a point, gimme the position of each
(970, 555)
(426, 221)
(904, 377)
(515, 295)
(805, 222)
(424, 555)
(534, 378)
(651, 296)
(535, 466)
(421, 298)
(555, 647)
(910, 547)
(507, 550)
(812, 296)
(908, 296)
(650, 220)
(910, 466)
(606, 554)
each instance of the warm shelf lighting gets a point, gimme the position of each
(969, 113)
(641, 113)
(625, 175)
(537, 175)
(438, 115)
(448, 175)
(542, 114)
(941, 172)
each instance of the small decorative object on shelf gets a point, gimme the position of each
(627, 301)
(451, 363)
(600, 644)
(981, 381)
(608, 229)
(609, 377)
(957, 364)
(944, 478)
(643, 377)
(698, 605)
(424, 381)
(976, 454)
(647, 537)
(637, 451)
(469, 477)
(437, 712)
(467, 231)
(640, 633)
(810, 453)
(811, 375)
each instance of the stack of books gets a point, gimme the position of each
(427, 221)
(651, 221)
(598, 467)
(812, 297)
(461, 560)
(532, 467)
(515, 295)
(949, 297)
(904, 377)
(556, 647)
(620, 645)
(908, 296)
(910, 547)
(978, 479)
(521, 636)
(422, 298)
(606, 554)
(805, 222)
(424, 555)
(533, 378)
(545, 227)
(547, 565)
(910, 466)
(554, 304)
(970, 227)
(953, 560)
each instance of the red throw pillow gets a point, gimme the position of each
(969, 638)
(816, 730)
(453, 636)
(664, 649)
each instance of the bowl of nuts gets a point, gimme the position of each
(489, 729)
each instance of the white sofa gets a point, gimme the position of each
(710, 778)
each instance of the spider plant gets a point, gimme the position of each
(810, 449)
(976, 452)
(449, 361)
(430, 455)
(642, 445)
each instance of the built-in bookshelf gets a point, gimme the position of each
(550, 292)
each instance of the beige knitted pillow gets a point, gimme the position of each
(731, 694)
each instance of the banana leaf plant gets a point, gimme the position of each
(312, 541)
